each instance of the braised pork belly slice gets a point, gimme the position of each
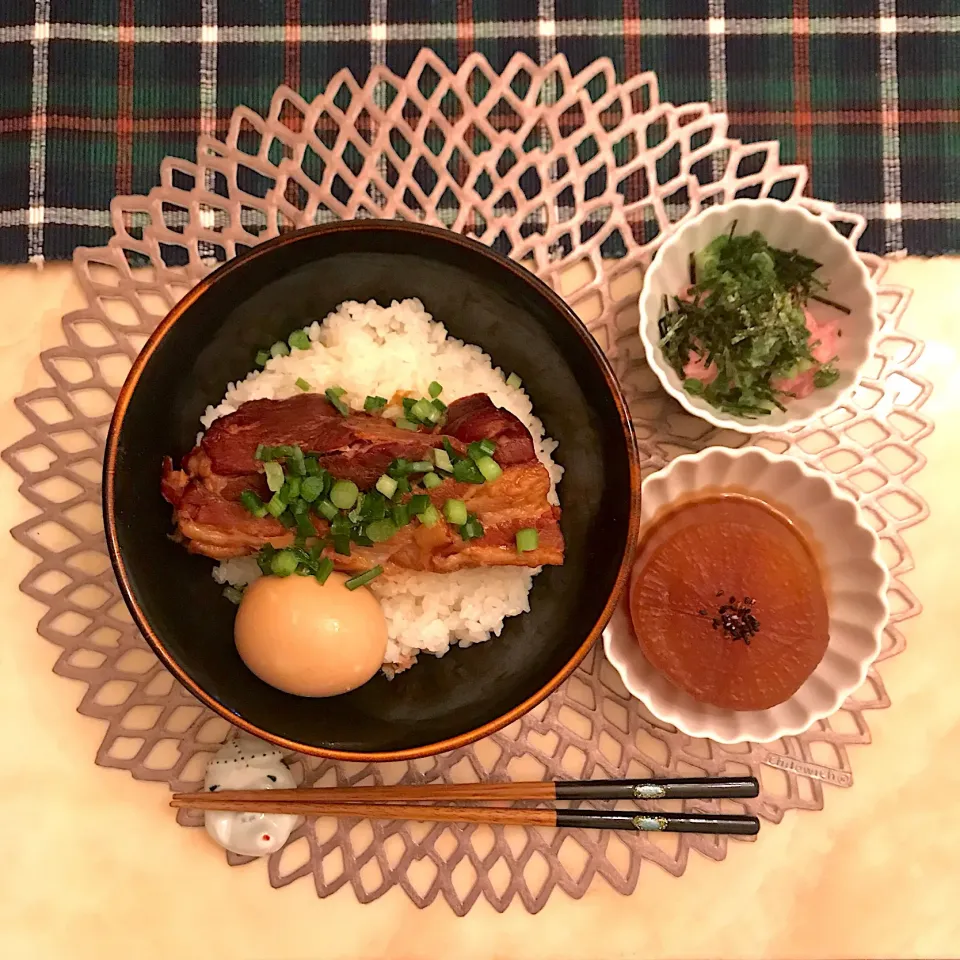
(211, 520)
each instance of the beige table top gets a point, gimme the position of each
(95, 865)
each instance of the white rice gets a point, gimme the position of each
(374, 350)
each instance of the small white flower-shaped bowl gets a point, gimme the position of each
(789, 227)
(854, 576)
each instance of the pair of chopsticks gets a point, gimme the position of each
(402, 802)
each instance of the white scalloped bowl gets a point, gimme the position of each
(855, 578)
(789, 227)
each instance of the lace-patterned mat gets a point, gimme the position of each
(581, 179)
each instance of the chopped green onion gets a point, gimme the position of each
(466, 471)
(360, 538)
(827, 375)
(290, 490)
(340, 528)
(284, 563)
(324, 569)
(344, 494)
(293, 456)
(403, 486)
(295, 462)
(434, 389)
(233, 594)
(442, 459)
(374, 506)
(333, 394)
(472, 529)
(373, 404)
(401, 514)
(482, 450)
(253, 503)
(430, 517)
(300, 551)
(489, 468)
(286, 519)
(421, 466)
(299, 340)
(279, 349)
(301, 513)
(381, 530)
(262, 357)
(311, 488)
(312, 467)
(456, 512)
(276, 505)
(418, 503)
(364, 578)
(327, 509)
(263, 559)
(399, 468)
(527, 539)
(407, 404)
(513, 381)
(404, 424)
(355, 515)
(274, 473)
(424, 411)
(387, 486)
(302, 384)
(431, 480)
(451, 453)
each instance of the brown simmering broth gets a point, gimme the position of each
(727, 601)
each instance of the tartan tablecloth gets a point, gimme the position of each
(94, 93)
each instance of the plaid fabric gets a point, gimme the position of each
(93, 95)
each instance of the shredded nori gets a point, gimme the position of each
(744, 311)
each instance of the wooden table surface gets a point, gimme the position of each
(95, 865)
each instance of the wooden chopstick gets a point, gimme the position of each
(685, 788)
(262, 802)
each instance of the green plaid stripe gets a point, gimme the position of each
(865, 92)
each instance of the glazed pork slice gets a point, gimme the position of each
(211, 521)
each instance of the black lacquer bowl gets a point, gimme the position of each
(210, 339)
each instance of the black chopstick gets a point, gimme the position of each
(685, 788)
(659, 822)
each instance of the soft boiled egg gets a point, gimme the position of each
(309, 639)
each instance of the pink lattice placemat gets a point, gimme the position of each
(581, 179)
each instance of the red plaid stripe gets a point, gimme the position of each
(803, 120)
(125, 55)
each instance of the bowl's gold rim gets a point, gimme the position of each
(109, 503)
